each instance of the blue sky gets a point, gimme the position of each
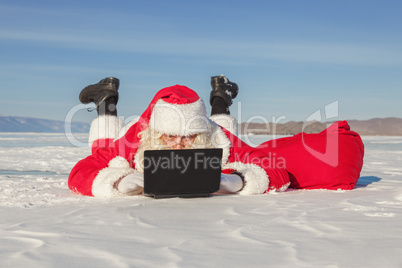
(291, 59)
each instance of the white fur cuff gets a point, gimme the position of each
(226, 121)
(103, 185)
(256, 180)
(105, 127)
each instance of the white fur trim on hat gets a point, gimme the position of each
(226, 121)
(103, 185)
(105, 127)
(180, 119)
(256, 180)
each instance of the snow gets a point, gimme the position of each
(43, 224)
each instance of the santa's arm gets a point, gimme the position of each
(259, 172)
(97, 174)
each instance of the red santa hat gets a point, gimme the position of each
(176, 110)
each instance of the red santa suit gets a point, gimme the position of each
(331, 159)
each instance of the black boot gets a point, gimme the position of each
(219, 106)
(104, 94)
(222, 93)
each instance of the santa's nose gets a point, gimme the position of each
(178, 139)
(177, 143)
(178, 147)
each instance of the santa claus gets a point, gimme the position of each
(176, 118)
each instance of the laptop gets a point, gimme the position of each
(182, 173)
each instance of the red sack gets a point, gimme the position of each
(331, 159)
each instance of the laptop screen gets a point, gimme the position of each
(183, 173)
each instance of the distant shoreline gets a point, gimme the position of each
(391, 126)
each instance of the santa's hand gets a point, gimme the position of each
(231, 183)
(131, 183)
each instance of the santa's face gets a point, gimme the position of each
(178, 142)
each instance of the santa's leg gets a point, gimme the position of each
(222, 94)
(105, 128)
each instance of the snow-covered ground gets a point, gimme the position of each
(43, 224)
